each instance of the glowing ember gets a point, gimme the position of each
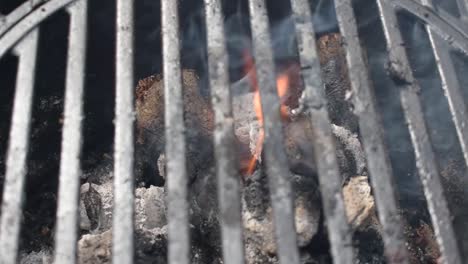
(282, 84)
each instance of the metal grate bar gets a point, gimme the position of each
(123, 223)
(17, 14)
(463, 9)
(452, 21)
(325, 151)
(450, 85)
(30, 22)
(178, 225)
(13, 193)
(225, 151)
(275, 157)
(69, 179)
(426, 162)
(371, 129)
(441, 22)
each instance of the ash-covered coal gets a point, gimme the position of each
(96, 201)
(198, 118)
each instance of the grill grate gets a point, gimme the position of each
(18, 32)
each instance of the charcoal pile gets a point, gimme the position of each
(96, 200)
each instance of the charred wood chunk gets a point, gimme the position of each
(198, 117)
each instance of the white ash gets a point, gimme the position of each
(257, 216)
(104, 206)
(162, 165)
(95, 248)
(246, 123)
(260, 232)
(351, 143)
(40, 257)
(149, 207)
(85, 223)
(359, 203)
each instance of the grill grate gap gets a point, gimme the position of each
(8, 65)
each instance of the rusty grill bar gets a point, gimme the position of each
(18, 32)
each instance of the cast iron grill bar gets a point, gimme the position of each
(177, 206)
(324, 146)
(399, 67)
(69, 179)
(462, 8)
(6, 22)
(274, 153)
(371, 129)
(453, 21)
(450, 85)
(27, 17)
(450, 29)
(13, 189)
(224, 137)
(30, 22)
(123, 226)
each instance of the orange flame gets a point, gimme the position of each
(282, 83)
(282, 86)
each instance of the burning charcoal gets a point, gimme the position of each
(95, 248)
(353, 149)
(40, 257)
(422, 244)
(258, 218)
(255, 194)
(359, 203)
(162, 165)
(85, 223)
(97, 200)
(150, 222)
(204, 211)
(337, 85)
(150, 207)
(299, 149)
(455, 185)
(150, 247)
(93, 205)
(243, 110)
(150, 123)
(97, 206)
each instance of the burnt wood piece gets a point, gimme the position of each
(198, 116)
